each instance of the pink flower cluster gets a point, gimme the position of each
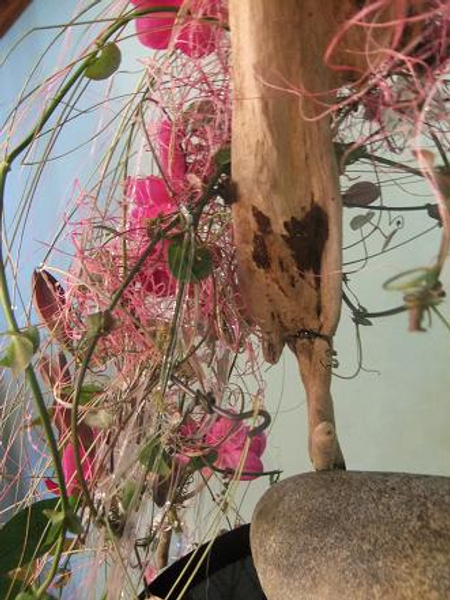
(152, 199)
(58, 375)
(228, 438)
(194, 36)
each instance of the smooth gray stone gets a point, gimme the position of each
(340, 535)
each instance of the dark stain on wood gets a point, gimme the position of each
(282, 265)
(260, 253)
(306, 239)
(262, 221)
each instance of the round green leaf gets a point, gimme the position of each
(99, 323)
(361, 220)
(361, 194)
(104, 64)
(222, 158)
(179, 255)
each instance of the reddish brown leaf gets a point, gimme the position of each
(48, 298)
(50, 301)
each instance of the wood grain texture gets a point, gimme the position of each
(287, 219)
(10, 11)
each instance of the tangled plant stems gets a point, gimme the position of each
(148, 337)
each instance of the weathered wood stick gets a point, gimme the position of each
(287, 217)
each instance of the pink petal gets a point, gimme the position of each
(155, 32)
(220, 435)
(182, 459)
(172, 157)
(258, 444)
(52, 486)
(70, 470)
(196, 39)
(150, 573)
(150, 196)
(231, 460)
(252, 464)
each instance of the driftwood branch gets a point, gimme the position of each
(287, 217)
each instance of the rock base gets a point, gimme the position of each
(340, 535)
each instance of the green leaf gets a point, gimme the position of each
(73, 522)
(352, 154)
(10, 588)
(100, 323)
(360, 220)
(87, 394)
(27, 536)
(55, 516)
(200, 462)
(155, 459)
(179, 255)
(32, 334)
(26, 596)
(361, 193)
(31, 595)
(20, 350)
(129, 489)
(104, 64)
(361, 320)
(99, 419)
(222, 158)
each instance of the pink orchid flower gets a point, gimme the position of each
(151, 199)
(228, 439)
(194, 37)
(70, 471)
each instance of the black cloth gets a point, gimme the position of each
(226, 573)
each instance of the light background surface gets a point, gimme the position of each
(396, 419)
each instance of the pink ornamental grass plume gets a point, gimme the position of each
(194, 37)
(228, 439)
(70, 471)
